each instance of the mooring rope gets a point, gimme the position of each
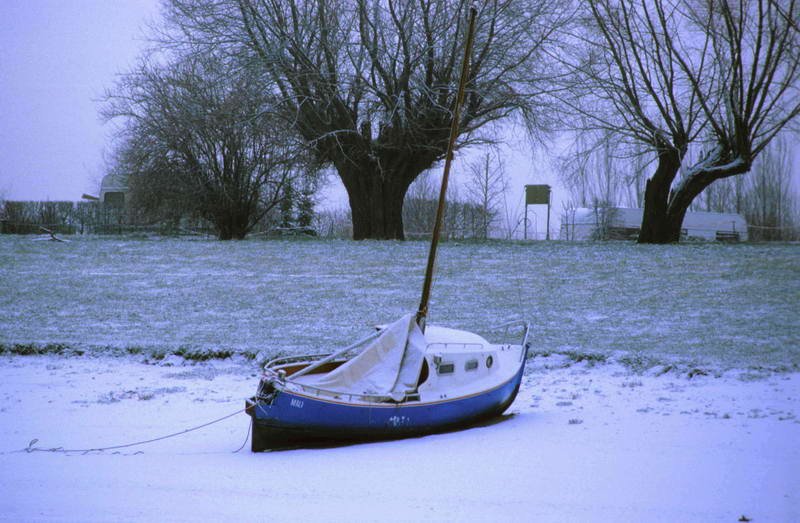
(31, 448)
(246, 436)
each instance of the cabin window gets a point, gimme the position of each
(446, 368)
(471, 365)
(489, 362)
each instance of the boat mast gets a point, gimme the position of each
(426, 287)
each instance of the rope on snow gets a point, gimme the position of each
(30, 448)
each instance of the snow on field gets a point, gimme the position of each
(722, 305)
(664, 384)
(581, 443)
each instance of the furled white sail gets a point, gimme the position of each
(387, 366)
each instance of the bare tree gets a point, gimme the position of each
(769, 201)
(369, 84)
(593, 172)
(668, 74)
(513, 218)
(766, 196)
(635, 179)
(198, 136)
(485, 188)
(419, 208)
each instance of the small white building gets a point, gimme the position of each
(583, 223)
(114, 190)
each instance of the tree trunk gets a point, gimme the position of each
(232, 225)
(658, 225)
(377, 208)
(664, 211)
(697, 183)
(376, 198)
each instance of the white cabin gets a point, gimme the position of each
(583, 223)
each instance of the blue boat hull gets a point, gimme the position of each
(293, 419)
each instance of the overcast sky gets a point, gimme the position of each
(57, 58)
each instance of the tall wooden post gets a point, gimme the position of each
(422, 312)
(537, 195)
(547, 236)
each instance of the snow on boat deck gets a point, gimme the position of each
(446, 335)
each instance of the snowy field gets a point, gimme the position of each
(664, 383)
(706, 304)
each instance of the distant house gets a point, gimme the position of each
(114, 190)
(623, 223)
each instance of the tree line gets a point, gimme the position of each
(766, 197)
(238, 99)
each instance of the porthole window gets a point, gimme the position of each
(489, 362)
(471, 365)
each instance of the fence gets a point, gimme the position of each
(64, 217)
(94, 217)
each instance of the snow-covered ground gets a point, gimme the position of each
(664, 383)
(581, 443)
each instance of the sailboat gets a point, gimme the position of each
(405, 379)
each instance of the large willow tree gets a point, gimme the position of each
(721, 76)
(369, 85)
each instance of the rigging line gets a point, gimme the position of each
(30, 448)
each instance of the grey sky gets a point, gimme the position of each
(57, 57)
